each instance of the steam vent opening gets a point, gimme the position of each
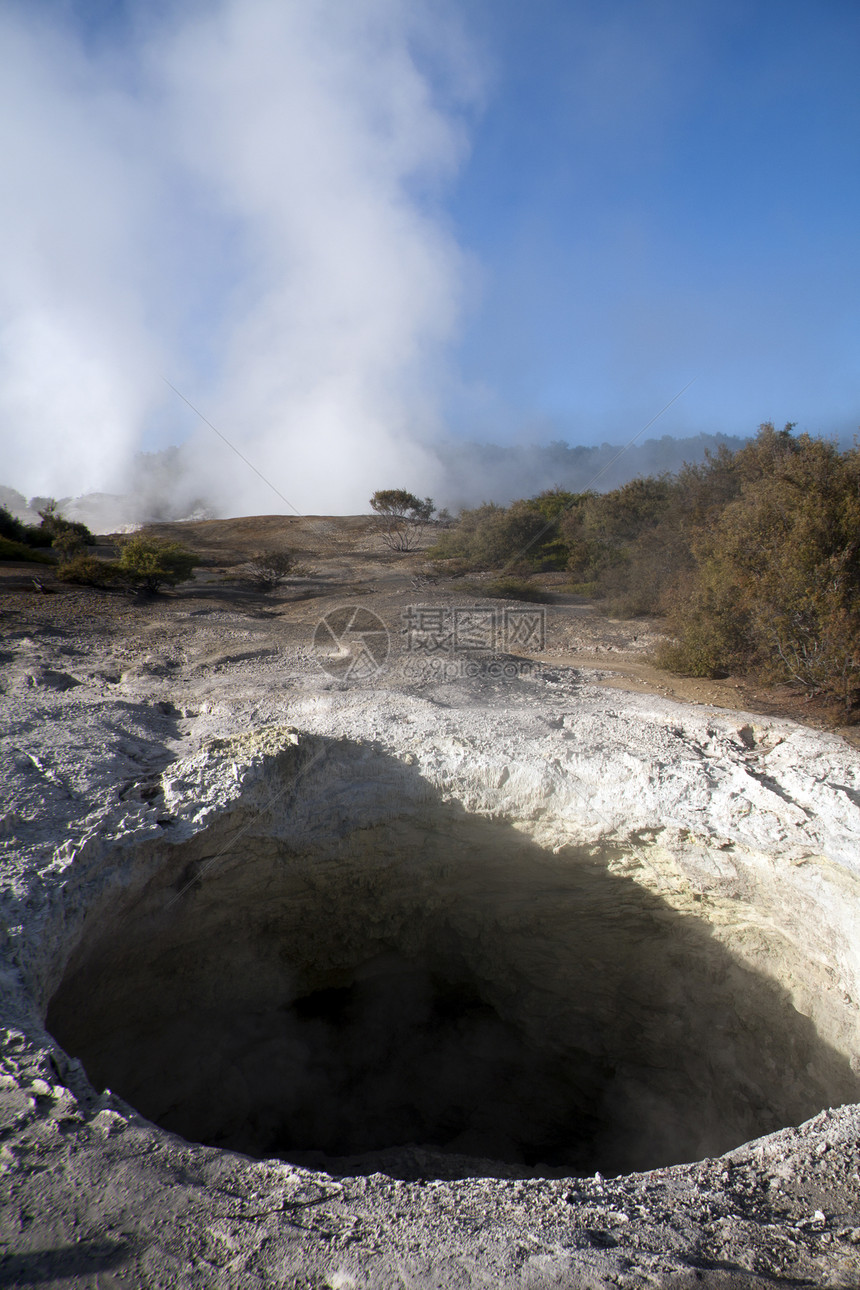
(365, 966)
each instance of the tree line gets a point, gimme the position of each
(753, 556)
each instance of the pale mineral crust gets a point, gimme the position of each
(216, 808)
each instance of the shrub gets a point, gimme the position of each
(54, 526)
(516, 589)
(152, 563)
(10, 550)
(403, 516)
(628, 543)
(776, 584)
(458, 543)
(89, 571)
(587, 589)
(754, 555)
(268, 569)
(11, 527)
(16, 531)
(38, 535)
(495, 537)
(68, 545)
(68, 536)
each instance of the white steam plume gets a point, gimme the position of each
(240, 197)
(75, 348)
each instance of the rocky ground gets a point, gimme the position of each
(137, 726)
(343, 558)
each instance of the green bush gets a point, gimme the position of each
(151, 563)
(518, 536)
(68, 545)
(11, 527)
(55, 528)
(16, 531)
(753, 555)
(776, 584)
(628, 544)
(10, 550)
(516, 589)
(591, 534)
(89, 571)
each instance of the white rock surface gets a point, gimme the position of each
(126, 788)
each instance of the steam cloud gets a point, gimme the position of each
(241, 197)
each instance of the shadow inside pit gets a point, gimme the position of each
(394, 984)
(81, 1259)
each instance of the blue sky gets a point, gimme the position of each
(663, 191)
(349, 229)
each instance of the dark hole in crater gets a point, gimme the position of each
(406, 1056)
(411, 992)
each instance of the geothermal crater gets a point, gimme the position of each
(368, 988)
(356, 958)
(312, 984)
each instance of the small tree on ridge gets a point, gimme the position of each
(403, 516)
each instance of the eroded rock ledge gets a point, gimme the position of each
(442, 970)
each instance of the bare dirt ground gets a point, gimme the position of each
(342, 559)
